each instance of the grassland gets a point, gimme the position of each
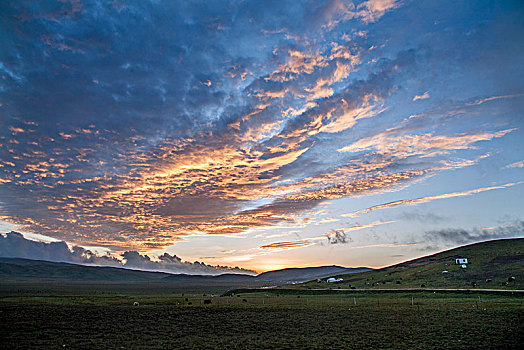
(357, 313)
(269, 319)
(492, 265)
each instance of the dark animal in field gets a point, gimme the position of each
(136, 303)
(186, 299)
(190, 303)
(244, 300)
(488, 280)
(422, 285)
(207, 301)
(511, 279)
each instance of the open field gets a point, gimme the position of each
(276, 319)
(399, 307)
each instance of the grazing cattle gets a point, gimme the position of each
(136, 303)
(207, 301)
(244, 300)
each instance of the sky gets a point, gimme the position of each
(259, 134)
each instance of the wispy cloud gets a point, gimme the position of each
(429, 198)
(425, 145)
(326, 221)
(492, 98)
(339, 236)
(286, 245)
(454, 236)
(421, 97)
(519, 164)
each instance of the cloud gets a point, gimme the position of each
(493, 98)
(421, 216)
(174, 264)
(334, 237)
(421, 97)
(454, 236)
(286, 245)
(360, 227)
(14, 245)
(429, 199)
(326, 221)
(519, 164)
(425, 145)
(171, 118)
(338, 237)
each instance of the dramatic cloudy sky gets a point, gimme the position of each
(263, 134)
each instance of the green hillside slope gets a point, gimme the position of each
(491, 265)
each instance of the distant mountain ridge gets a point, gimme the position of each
(19, 268)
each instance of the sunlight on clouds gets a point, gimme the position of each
(255, 124)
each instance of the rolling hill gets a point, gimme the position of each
(495, 264)
(491, 265)
(27, 269)
(307, 273)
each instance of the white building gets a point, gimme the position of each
(333, 279)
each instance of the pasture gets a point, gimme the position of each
(267, 319)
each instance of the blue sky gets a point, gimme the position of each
(263, 134)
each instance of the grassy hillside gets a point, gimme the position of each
(491, 265)
(307, 273)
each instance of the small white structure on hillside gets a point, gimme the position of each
(461, 261)
(333, 279)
